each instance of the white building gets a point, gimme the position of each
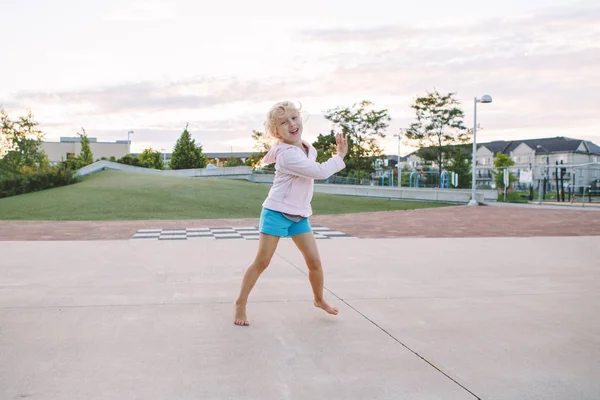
(540, 156)
(71, 146)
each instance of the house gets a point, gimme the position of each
(383, 164)
(581, 159)
(541, 156)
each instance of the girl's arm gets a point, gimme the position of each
(294, 162)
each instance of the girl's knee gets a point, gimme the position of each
(313, 264)
(262, 262)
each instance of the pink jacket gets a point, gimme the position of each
(292, 189)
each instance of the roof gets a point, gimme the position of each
(547, 145)
(593, 148)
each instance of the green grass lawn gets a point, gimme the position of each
(116, 195)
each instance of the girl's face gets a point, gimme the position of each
(289, 127)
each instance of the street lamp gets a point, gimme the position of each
(398, 163)
(129, 140)
(546, 175)
(484, 99)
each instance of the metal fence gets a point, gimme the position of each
(428, 179)
(344, 180)
(563, 182)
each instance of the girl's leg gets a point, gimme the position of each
(307, 244)
(266, 248)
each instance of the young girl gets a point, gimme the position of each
(287, 208)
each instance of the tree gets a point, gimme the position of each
(254, 160)
(364, 125)
(501, 162)
(460, 164)
(128, 159)
(325, 146)
(439, 125)
(21, 143)
(233, 162)
(406, 171)
(85, 156)
(262, 147)
(187, 154)
(150, 158)
(7, 134)
(261, 143)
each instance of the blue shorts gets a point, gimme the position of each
(275, 223)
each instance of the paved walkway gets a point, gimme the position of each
(460, 221)
(476, 318)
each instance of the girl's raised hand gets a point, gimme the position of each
(341, 144)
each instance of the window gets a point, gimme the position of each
(581, 172)
(595, 173)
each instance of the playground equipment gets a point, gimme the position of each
(444, 179)
(418, 174)
(431, 179)
(387, 175)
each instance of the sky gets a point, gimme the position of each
(155, 66)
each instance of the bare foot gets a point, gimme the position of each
(240, 315)
(327, 307)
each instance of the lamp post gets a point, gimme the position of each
(129, 140)
(546, 175)
(484, 99)
(398, 163)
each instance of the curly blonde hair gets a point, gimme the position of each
(278, 110)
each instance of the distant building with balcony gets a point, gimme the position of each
(540, 156)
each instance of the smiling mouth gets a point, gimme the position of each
(295, 131)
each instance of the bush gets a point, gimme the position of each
(151, 159)
(129, 160)
(72, 164)
(233, 162)
(28, 180)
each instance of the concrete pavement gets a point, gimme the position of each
(488, 318)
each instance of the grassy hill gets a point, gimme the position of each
(116, 195)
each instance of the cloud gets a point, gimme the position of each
(156, 96)
(147, 11)
(577, 18)
(541, 69)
